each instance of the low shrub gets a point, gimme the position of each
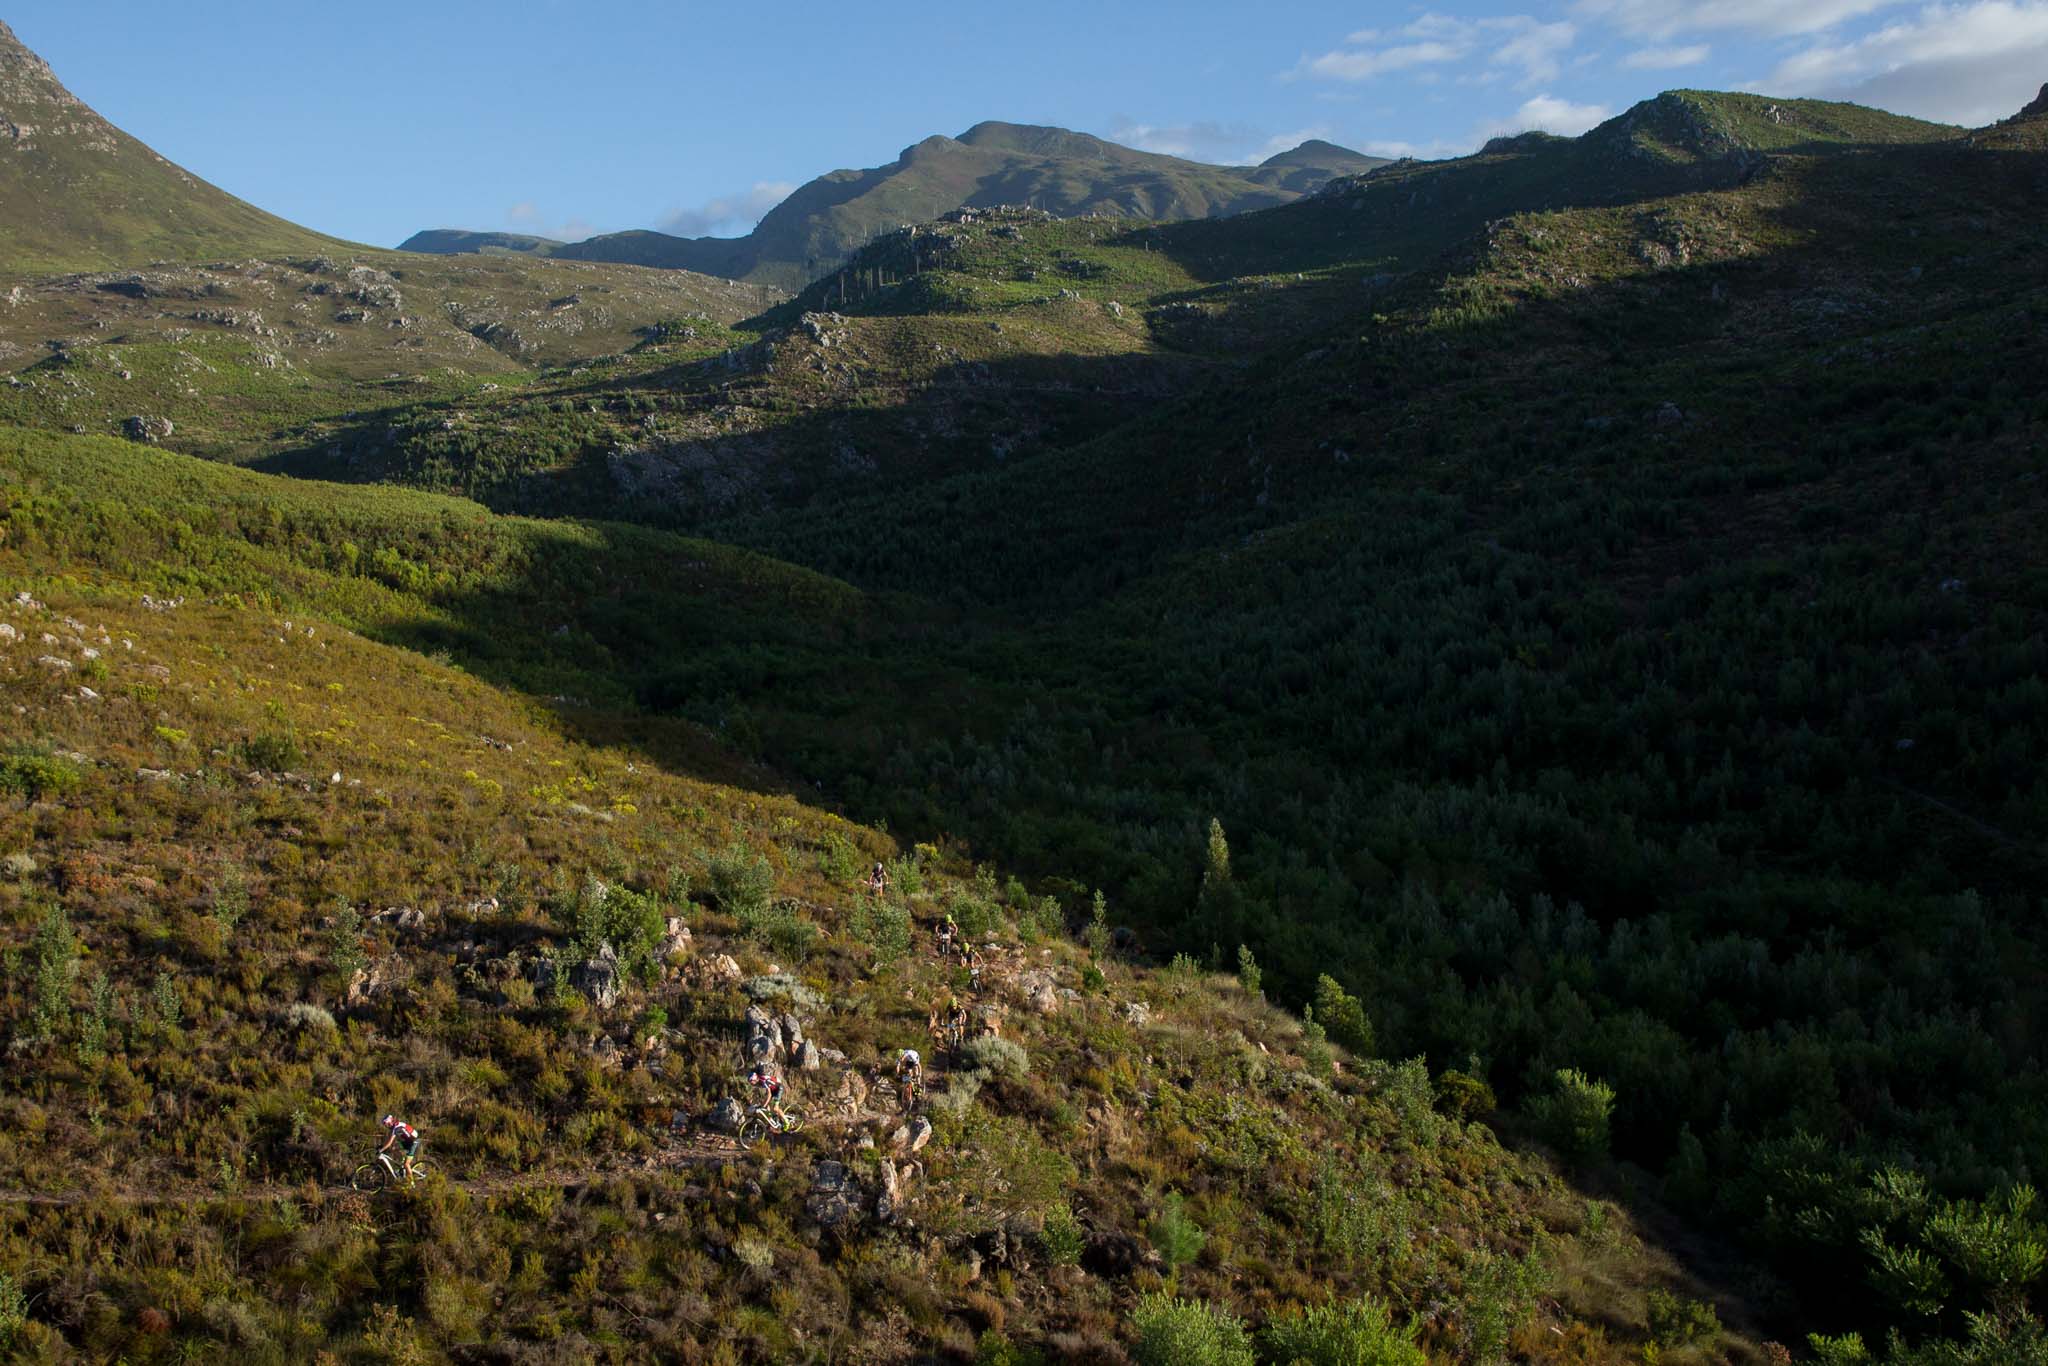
(1177, 1332)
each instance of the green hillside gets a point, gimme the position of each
(77, 193)
(1567, 623)
(269, 873)
(1052, 169)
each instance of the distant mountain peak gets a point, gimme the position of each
(2037, 110)
(1315, 151)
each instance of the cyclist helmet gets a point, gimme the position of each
(389, 1120)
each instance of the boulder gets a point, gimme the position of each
(148, 430)
(726, 1116)
(917, 1133)
(808, 1059)
(722, 969)
(599, 977)
(1137, 1013)
(889, 1201)
(764, 1035)
(1044, 998)
(835, 1196)
(677, 941)
(606, 1052)
(792, 1033)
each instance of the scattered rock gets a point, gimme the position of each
(808, 1059)
(722, 969)
(1137, 1013)
(8, 633)
(835, 1196)
(148, 430)
(53, 662)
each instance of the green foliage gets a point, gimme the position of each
(783, 928)
(1993, 1244)
(13, 1310)
(1499, 1295)
(1907, 1277)
(96, 1020)
(1097, 934)
(884, 926)
(1343, 1015)
(838, 860)
(1358, 1332)
(55, 953)
(1249, 975)
(345, 941)
(601, 913)
(230, 900)
(1176, 1236)
(1177, 1332)
(1062, 1238)
(1676, 1321)
(1315, 1044)
(36, 773)
(273, 751)
(994, 1349)
(1465, 1095)
(1183, 974)
(1576, 1114)
(1844, 1349)
(166, 1001)
(740, 882)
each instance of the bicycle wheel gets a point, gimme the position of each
(369, 1177)
(753, 1129)
(793, 1123)
(421, 1170)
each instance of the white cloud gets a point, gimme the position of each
(1536, 50)
(729, 215)
(1519, 43)
(1549, 114)
(1778, 18)
(1666, 58)
(525, 211)
(1957, 63)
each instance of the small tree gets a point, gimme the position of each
(1577, 1114)
(1315, 1043)
(1176, 1237)
(1343, 1015)
(1249, 975)
(345, 942)
(56, 959)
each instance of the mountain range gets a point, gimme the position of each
(1053, 169)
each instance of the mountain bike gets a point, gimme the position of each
(907, 1089)
(384, 1174)
(759, 1124)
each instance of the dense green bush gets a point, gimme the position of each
(1358, 1332)
(37, 773)
(1576, 1114)
(1177, 1332)
(740, 881)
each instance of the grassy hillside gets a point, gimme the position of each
(77, 193)
(268, 876)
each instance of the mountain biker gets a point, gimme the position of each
(909, 1074)
(956, 1026)
(948, 932)
(878, 880)
(397, 1131)
(763, 1078)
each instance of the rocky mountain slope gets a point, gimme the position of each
(1064, 173)
(77, 193)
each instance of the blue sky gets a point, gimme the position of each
(370, 120)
